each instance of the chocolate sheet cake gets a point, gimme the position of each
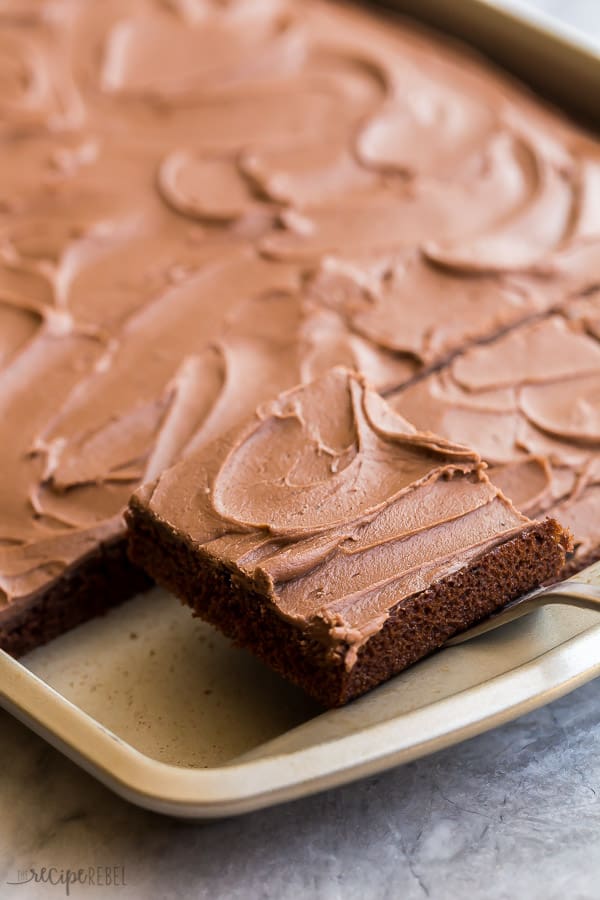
(203, 204)
(336, 541)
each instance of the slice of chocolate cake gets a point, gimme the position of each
(336, 541)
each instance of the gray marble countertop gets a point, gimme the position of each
(513, 813)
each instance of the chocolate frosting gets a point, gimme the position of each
(334, 507)
(529, 402)
(203, 204)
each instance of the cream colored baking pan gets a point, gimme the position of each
(162, 710)
(166, 713)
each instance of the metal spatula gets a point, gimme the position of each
(582, 590)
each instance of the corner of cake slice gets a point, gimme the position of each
(335, 541)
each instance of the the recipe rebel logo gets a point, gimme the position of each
(90, 876)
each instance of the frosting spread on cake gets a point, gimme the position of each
(529, 402)
(205, 203)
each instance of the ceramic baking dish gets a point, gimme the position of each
(166, 713)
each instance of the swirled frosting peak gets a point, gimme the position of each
(335, 505)
(332, 452)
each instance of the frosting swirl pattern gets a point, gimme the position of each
(529, 402)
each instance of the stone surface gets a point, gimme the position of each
(513, 813)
